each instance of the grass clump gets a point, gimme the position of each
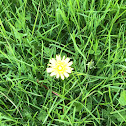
(92, 33)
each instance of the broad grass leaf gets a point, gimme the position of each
(122, 99)
(78, 106)
(49, 51)
(98, 52)
(121, 117)
(91, 52)
(42, 115)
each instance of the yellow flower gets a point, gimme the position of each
(60, 67)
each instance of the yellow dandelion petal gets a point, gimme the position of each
(70, 63)
(57, 76)
(69, 70)
(52, 74)
(52, 60)
(67, 60)
(60, 67)
(49, 70)
(63, 57)
(66, 74)
(62, 77)
(58, 58)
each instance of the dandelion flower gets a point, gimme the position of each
(60, 67)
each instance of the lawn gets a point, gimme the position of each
(91, 33)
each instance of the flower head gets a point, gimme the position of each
(60, 67)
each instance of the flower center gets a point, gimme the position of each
(60, 68)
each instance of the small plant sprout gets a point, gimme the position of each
(90, 64)
(60, 67)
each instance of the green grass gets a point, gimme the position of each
(32, 32)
